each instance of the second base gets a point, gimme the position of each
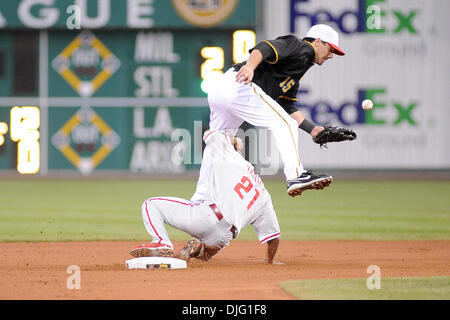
(155, 263)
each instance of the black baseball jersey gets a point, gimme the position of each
(285, 61)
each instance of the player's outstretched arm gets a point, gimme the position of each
(272, 247)
(323, 135)
(306, 125)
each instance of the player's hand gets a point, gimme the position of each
(244, 75)
(316, 131)
(238, 144)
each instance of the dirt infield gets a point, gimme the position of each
(38, 270)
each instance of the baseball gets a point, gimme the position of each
(367, 104)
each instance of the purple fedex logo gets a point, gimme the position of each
(349, 112)
(367, 16)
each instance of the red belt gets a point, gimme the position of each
(220, 217)
(216, 211)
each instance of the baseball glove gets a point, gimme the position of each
(334, 134)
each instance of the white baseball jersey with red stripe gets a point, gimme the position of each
(232, 186)
(237, 190)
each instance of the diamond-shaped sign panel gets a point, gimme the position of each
(86, 63)
(85, 140)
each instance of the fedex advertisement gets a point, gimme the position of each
(396, 57)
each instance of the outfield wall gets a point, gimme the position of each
(124, 92)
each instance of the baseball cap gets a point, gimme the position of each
(326, 34)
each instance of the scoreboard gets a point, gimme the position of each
(113, 84)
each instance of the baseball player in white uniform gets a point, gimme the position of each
(235, 198)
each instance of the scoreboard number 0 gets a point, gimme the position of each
(243, 40)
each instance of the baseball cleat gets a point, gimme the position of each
(307, 181)
(152, 250)
(191, 249)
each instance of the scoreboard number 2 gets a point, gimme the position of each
(24, 129)
(243, 40)
(213, 65)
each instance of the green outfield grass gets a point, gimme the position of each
(428, 288)
(64, 209)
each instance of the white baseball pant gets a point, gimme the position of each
(195, 218)
(232, 103)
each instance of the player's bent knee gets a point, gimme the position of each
(217, 99)
(148, 208)
(220, 95)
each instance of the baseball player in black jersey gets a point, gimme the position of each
(262, 91)
(283, 62)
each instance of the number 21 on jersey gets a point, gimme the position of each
(246, 186)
